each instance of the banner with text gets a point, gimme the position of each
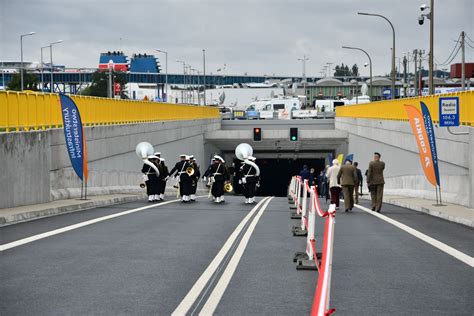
(419, 130)
(73, 132)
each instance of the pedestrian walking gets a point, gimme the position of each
(321, 180)
(347, 177)
(334, 186)
(375, 181)
(360, 183)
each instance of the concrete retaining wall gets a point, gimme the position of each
(36, 167)
(403, 173)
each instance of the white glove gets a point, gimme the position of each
(204, 179)
(240, 181)
(244, 180)
(166, 179)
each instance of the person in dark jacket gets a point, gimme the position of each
(218, 174)
(249, 180)
(360, 182)
(179, 172)
(163, 177)
(194, 178)
(151, 179)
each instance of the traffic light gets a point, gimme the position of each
(293, 134)
(257, 134)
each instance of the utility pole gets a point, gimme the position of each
(420, 75)
(463, 70)
(303, 61)
(415, 73)
(405, 76)
(431, 83)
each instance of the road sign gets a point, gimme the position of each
(449, 111)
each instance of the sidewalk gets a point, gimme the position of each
(450, 212)
(14, 215)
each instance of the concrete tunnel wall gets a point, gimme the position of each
(403, 172)
(36, 166)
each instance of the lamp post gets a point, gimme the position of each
(370, 67)
(204, 74)
(429, 16)
(184, 77)
(166, 70)
(393, 47)
(21, 52)
(51, 89)
(42, 67)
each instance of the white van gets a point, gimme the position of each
(328, 105)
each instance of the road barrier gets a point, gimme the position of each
(310, 259)
(24, 111)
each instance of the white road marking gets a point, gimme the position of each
(198, 287)
(27, 240)
(435, 243)
(224, 281)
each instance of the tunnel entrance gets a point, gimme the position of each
(276, 174)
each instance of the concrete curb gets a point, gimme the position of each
(53, 211)
(435, 213)
(432, 212)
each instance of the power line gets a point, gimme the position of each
(449, 62)
(467, 36)
(455, 46)
(469, 45)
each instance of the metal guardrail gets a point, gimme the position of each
(394, 109)
(21, 111)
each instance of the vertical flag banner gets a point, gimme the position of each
(73, 132)
(350, 157)
(419, 130)
(330, 159)
(431, 138)
(340, 157)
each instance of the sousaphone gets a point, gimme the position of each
(242, 152)
(143, 150)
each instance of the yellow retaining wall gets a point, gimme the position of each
(20, 111)
(394, 110)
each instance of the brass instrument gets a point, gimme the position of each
(242, 152)
(228, 187)
(190, 171)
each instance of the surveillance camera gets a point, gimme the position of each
(423, 7)
(366, 64)
(421, 20)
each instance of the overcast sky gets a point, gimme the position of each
(253, 36)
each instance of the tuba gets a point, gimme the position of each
(143, 150)
(228, 187)
(242, 152)
(190, 171)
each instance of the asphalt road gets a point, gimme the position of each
(146, 262)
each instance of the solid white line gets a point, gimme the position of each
(198, 287)
(435, 243)
(224, 281)
(27, 240)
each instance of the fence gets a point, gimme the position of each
(298, 194)
(394, 109)
(21, 111)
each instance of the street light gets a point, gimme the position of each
(184, 76)
(166, 70)
(370, 67)
(421, 19)
(393, 47)
(42, 67)
(21, 52)
(51, 60)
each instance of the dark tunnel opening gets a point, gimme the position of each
(275, 174)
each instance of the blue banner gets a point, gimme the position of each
(350, 157)
(431, 138)
(330, 159)
(73, 133)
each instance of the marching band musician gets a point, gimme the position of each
(164, 175)
(194, 178)
(179, 172)
(249, 181)
(218, 174)
(151, 180)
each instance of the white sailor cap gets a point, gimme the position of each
(162, 159)
(183, 155)
(217, 157)
(191, 157)
(158, 154)
(153, 157)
